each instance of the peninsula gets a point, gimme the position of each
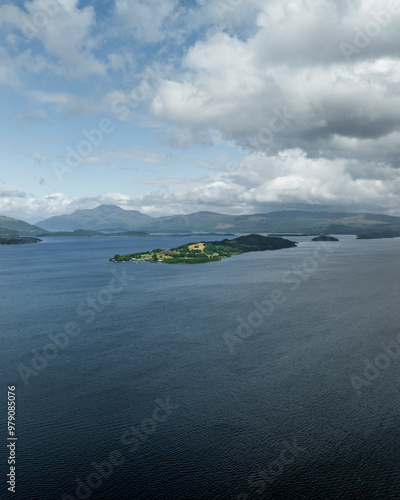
(208, 251)
(12, 237)
(18, 240)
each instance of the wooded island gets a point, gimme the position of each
(208, 251)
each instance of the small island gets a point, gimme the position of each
(208, 251)
(324, 237)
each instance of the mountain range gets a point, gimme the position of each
(111, 218)
(114, 218)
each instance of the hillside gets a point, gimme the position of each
(391, 233)
(20, 227)
(113, 218)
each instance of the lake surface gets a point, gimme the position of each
(185, 388)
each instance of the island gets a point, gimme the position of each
(324, 237)
(208, 251)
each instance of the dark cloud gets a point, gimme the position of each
(11, 194)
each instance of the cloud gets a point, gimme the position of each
(63, 29)
(306, 91)
(61, 98)
(57, 203)
(140, 155)
(261, 183)
(38, 158)
(9, 73)
(145, 20)
(11, 200)
(207, 165)
(31, 116)
(11, 194)
(257, 184)
(288, 85)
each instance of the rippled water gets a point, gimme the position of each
(273, 414)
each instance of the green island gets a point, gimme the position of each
(208, 251)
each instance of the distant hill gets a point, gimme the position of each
(102, 218)
(113, 218)
(391, 233)
(19, 227)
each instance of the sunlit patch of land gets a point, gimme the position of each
(208, 251)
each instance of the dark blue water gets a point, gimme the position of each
(157, 382)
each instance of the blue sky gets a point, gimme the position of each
(167, 106)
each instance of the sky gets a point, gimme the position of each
(178, 106)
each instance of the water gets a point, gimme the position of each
(168, 335)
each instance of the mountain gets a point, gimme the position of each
(288, 221)
(19, 227)
(113, 218)
(101, 218)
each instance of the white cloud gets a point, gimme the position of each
(8, 69)
(65, 32)
(57, 203)
(259, 183)
(270, 78)
(145, 19)
(292, 65)
(50, 97)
